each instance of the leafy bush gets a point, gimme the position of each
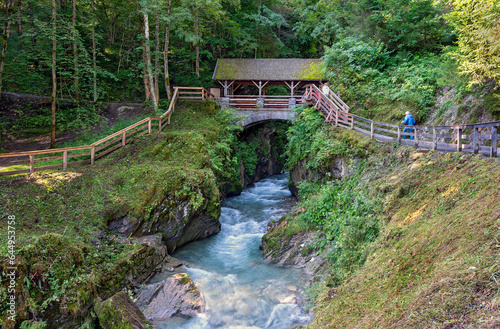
(313, 140)
(371, 81)
(345, 218)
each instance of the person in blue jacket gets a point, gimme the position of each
(408, 121)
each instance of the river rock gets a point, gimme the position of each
(176, 296)
(119, 311)
(154, 240)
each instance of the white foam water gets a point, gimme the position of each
(240, 290)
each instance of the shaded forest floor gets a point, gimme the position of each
(26, 121)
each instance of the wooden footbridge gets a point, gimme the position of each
(479, 138)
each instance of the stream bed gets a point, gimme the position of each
(240, 290)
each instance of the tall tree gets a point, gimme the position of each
(75, 52)
(148, 60)
(478, 26)
(54, 76)
(166, 49)
(157, 55)
(94, 55)
(9, 7)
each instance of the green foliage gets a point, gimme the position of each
(367, 76)
(312, 140)
(409, 25)
(476, 24)
(345, 218)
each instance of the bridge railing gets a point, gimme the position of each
(31, 161)
(267, 101)
(474, 138)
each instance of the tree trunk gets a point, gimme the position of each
(145, 71)
(32, 24)
(157, 56)
(197, 42)
(165, 55)
(54, 77)
(4, 40)
(94, 56)
(148, 61)
(19, 18)
(75, 54)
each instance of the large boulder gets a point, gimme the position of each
(119, 312)
(176, 296)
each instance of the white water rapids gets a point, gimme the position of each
(240, 290)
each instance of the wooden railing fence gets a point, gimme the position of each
(474, 138)
(269, 101)
(90, 153)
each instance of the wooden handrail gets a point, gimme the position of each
(335, 112)
(103, 146)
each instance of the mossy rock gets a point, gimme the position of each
(119, 312)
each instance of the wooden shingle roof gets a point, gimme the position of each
(279, 69)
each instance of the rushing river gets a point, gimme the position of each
(240, 290)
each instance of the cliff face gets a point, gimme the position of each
(338, 168)
(261, 150)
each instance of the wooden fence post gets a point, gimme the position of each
(372, 131)
(434, 139)
(476, 140)
(493, 141)
(124, 138)
(149, 126)
(92, 155)
(159, 125)
(399, 134)
(459, 139)
(352, 123)
(65, 160)
(32, 163)
(416, 136)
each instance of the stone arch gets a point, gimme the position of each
(262, 116)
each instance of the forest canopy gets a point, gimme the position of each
(116, 50)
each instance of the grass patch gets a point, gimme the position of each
(191, 160)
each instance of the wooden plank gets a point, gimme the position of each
(124, 138)
(476, 141)
(27, 153)
(385, 130)
(86, 154)
(59, 157)
(15, 163)
(74, 163)
(399, 134)
(363, 125)
(494, 141)
(434, 139)
(15, 172)
(130, 133)
(92, 155)
(49, 167)
(371, 130)
(32, 163)
(459, 140)
(65, 160)
(416, 135)
(109, 144)
(108, 151)
(118, 133)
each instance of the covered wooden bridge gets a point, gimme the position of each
(262, 74)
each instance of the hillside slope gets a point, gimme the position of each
(410, 238)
